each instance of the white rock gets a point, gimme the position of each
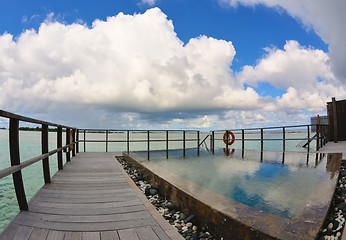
(330, 226)
(189, 224)
(194, 228)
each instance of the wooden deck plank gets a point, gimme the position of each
(86, 211)
(38, 234)
(9, 232)
(128, 234)
(55, 235)
(91, 198)
(109, 235)
(85, 218)
(146, 233)
(73, 236)
(23, 233)
(91, 236)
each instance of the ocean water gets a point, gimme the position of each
(33, 177)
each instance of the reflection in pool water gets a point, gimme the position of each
(271, 182)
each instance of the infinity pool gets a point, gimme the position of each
(282, 184)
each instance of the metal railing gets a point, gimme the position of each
(17, 165)
(144, 137)
(321, 136)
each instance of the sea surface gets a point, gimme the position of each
(33, 177)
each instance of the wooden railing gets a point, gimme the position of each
(17, 165)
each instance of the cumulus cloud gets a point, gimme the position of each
(132, 71)
(325, 17)
(132, 62)
(303, 72)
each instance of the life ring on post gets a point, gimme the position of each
(228, 138)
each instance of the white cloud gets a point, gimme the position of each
(149, 2)
(132, 71)
(304, 72)
(325, 17)
(131, 62)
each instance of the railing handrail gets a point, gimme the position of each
(10, 115)
(265, 128)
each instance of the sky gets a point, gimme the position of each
(177, 64)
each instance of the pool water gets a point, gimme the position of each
(272, 182)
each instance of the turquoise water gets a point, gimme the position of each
(276, 184)
(33, 178)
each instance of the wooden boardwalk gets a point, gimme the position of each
(92, 198)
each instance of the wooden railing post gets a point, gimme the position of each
(242, 142)
(45, 161)
(59, 145)
(15, 160)
(68, 157)
(73, 140)
(77, 140)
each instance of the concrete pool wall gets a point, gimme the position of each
(233, 220)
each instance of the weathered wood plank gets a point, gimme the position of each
(73, 236)
(9, 232)
(128, 234)
(83, 219)
(132, 202)
(38, 234)
(83, 227)
(55, 235)
(146, 233)
(109, 235)
(23, 233)
(160, 233)
(99, 199)
(86, 211)
(91, 236)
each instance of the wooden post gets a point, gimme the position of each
(68, 157)
(73, 137)
(335, 120)
(59, 145)
(77, 140)
(45, 161)
(15, 160)
(308, 138)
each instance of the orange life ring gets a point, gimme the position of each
(226, 138)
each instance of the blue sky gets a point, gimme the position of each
(262, 61)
